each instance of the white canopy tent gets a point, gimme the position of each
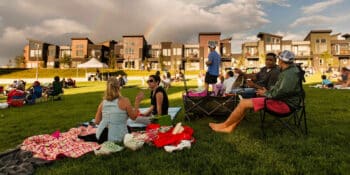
(92, 63)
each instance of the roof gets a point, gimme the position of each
(260, 34)
(83, 38)
(209, 33)
(317, 31)
(134, 36)
(346, 35)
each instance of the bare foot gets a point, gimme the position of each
(228, 129)
(217, 125)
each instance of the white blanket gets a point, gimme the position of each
(143, 121)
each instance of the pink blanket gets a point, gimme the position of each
(50, 147)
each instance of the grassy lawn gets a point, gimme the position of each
(324, 151)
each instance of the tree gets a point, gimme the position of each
(160, 61)
(240, 61)
(112, 59)
(262, 59)
(327, 58)
(20, 61)
(66, 60)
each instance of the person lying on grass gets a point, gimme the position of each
(113, 112)
(283, 95)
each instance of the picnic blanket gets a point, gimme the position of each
(50, 147)
(335, 87)
(141, 122)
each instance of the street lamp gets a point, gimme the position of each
(37, 60)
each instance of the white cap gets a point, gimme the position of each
(287, 56)
(212, 45)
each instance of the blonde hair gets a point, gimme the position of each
(112, 90)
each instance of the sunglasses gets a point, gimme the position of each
(150, 81)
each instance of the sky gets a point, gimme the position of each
(180, 21)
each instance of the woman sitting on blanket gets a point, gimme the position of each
(345, 77)
(113, 112)
(159, 98)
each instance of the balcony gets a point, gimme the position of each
(341, 52)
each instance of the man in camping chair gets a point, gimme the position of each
(55, 89)
(283, 96)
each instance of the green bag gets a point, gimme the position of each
(162, 120)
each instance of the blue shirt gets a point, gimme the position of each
(326, 82)
(213, 68)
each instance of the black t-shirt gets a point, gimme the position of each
(165, 104)
(267, 77)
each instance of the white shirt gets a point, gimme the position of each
(227, 85)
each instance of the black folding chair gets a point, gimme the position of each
(196, 107)
(294, 120)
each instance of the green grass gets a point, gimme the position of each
(324, 151)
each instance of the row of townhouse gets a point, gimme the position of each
(320, 49)
(132, 52)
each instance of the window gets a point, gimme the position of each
(166, 52)
(52, 53)
(177, 51)
(268, 39)
(35, 53)
(79, 46)
(323, 40)
(79, 53)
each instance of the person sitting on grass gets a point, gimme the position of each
(71, 83)
(159, 97)
(35, 91)
(16, 97)
(326, 83)
(345, 77)
(56, 88)
(113, 112)
(283, 96)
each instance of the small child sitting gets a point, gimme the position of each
(326, 83)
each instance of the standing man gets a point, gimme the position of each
(213, 64)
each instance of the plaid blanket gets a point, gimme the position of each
(50, 147)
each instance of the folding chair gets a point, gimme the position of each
(298, 114)
(196, 107)
(293, 120)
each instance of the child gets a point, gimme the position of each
(326, 83)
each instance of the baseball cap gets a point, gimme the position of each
(212, 45)
(287, 56)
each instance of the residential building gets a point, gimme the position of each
(36, 54)
(176, 56)
(119, 54)
(191, 57)
(80, 50)
(320, 49)
(134, 49)
(53, 56)
(341, 50)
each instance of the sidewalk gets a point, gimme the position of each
(80, 79)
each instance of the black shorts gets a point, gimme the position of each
(210, 79)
